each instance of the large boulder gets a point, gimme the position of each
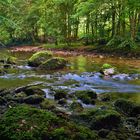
(60, 94)
(34, 90)
(127, 107)
(11, 60)
(53, 64)
(38, 58)
(33, 99)
(86, 96)
(107, 119)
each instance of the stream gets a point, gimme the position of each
(82, 73)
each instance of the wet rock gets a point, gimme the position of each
(86, 96)
(7, 66)
(11, 104)
(38, 58)
(103, 133)
(131, 121)
(20, 95)
(2, 101)
(33, 99)
(21, 89)
(121, 77)
(76, 106)
(127, 107)
(62, 102)
(60, 94)
(104, 97)
(53, 64)
(34, 90)
(110, 71)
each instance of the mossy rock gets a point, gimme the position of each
(33, 99)
(101, 119)
(60, 94)
(2, 71)
(86, 96)
(76, 107)
(62, 102)
(11, 60)
(38, 58)
(53, 64)
(2, 101)
(103, 133)
(127, 107)
(34, 90)
(107, 66)
(27, 123)
(108, 69)
(48, 104)
(105, 97)
(107, 119)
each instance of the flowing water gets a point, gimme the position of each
(81, 73)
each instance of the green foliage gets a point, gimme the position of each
(128, 44)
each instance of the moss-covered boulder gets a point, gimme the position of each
(105, 97)
(107, 119)
(11, 60)
(76, 107)
(53, 64)
(108, 69)
(27, 123)
(60, 94)
(106, 66)
(86, 96)
(38, 58)
(127, 107)
(33, 99)
(34, 90)
(2, 101)
(48, 104)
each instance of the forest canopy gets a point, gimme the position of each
(111, 22)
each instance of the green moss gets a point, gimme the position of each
(86, 96)
(127, 107)
(34, 90)
(38, 58)
(106, 66)
(60, 94)
(76, 106)
(99, 119)
(27, 123)
(33, 99)
(53, 64)
(48, 104)
(11, 60)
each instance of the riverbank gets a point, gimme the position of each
(74, 50)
